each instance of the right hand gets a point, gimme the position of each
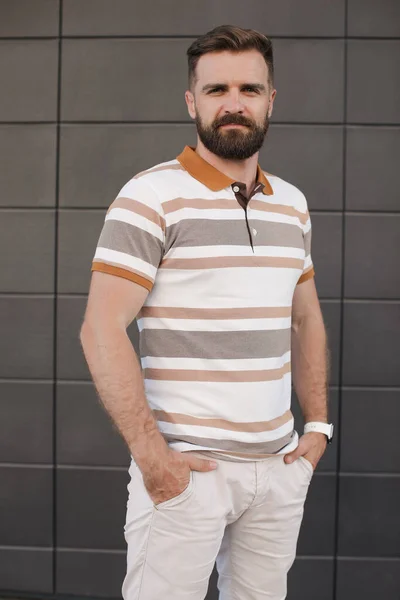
(170, 476)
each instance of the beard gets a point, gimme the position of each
(233, 144)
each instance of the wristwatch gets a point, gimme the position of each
(326, 428)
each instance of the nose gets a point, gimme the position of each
(233, 103)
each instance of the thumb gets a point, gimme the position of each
(198, 464)
(291, 456)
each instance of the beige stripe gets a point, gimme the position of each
(282, 209)
(259, 448)
(171, 206)
(220, 376)
(255, 427)
(173, 167)
(228, 204)
(178, 312)
(126, 272)
(219, 262)
(139, 209)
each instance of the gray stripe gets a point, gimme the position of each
(215, 232)
(124, 237)
(214, 344)
(307, 242)
(270, 447)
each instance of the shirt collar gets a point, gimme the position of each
(214, 179)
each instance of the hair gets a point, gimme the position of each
(233, 39)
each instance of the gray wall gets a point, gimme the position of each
(78, 118)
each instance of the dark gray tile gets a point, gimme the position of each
(26, 570)
(326, 252)
(26, 506)
(79, 232)
(26, 413)
(331, 314)
(328, 460)
(372, 159)
(309, 80)
(95, 85)
(25, 18)
(90, 573)
(317, 531)
(96, 160)
(28, 71)
(368, 579)
(26, 343)
(371, 337)
(28, 236)
(370, 430)
(85, 433)
(28, 178)
(91, 508)
(373, 19)
(94, 17)
(311, 158)
(373, 99)
(311, 579)
(94, 69)
(369, 518)
(71, 363)
(371, 266)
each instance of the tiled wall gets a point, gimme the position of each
(78, 118)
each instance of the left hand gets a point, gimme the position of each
(312, 445)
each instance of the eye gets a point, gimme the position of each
(249, 88)
(216, 89)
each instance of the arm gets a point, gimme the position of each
(310, 358)
(113, 303)
(310, 366)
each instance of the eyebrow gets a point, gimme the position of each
(210, 86)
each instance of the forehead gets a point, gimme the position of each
(223, 67)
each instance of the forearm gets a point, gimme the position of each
(116, 373)
(310, 368)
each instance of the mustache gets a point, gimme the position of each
(233, 120)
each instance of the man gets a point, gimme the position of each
(225, 252)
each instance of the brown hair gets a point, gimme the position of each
(233, 39)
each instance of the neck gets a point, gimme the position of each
(239, 170)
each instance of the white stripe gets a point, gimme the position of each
(226, 288)
(307, 262)
(215, 364)
(273, 323)
(233, 401)
(234, 214)
(127, 216)
(245, 250)
(226, 434)
(125, 260)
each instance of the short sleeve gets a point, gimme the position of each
(131, 242)
(308, 269)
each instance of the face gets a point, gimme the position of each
(231, 103)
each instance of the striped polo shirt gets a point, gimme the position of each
(215, 329)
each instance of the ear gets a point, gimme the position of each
(271, 103)
(189, 97)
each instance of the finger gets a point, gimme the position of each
(198, 464)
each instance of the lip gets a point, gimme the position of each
(232, 125)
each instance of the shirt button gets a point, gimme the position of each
(254, 231)
(235, 188)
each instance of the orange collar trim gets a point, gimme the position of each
(214, 179)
